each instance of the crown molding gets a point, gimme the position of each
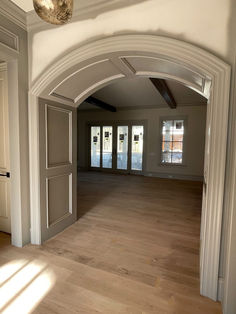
(12, 12)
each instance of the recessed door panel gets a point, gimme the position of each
(95, 146)
(137, 148)
(59, 130)
(107, 148)
(59, 198)
(122, 147)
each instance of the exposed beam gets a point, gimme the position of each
(165, 92)
(101, 104)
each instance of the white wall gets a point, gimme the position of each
(195, 137)
(204, 23)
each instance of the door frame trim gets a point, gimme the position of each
(216, 74)
(18, 191)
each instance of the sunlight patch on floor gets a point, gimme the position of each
(24, 285)
(10, 269)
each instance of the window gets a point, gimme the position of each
(172, 141)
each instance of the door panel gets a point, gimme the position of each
(5, 217)
(58, 171)
(58, 137)
(122, 147)
(137, 148)
(107, 146)
(58, 207)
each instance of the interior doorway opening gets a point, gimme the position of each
(117, 58)
(143, 134)
(155, 216)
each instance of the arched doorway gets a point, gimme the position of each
(97, 64)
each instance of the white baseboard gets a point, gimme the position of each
(174, 176)
(220, 289)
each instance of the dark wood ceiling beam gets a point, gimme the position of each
(101, 104)
(165, 92)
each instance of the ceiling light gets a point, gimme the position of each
(54, 11)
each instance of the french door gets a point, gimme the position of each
(117, 147)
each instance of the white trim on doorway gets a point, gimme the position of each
(18, 225)
(175, 60)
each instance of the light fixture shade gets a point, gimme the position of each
(54, 11)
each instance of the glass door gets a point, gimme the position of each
(137, 148)
(122, 147)
(95, 147)
(107, 148)
(117, 147)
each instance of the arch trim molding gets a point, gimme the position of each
(216, 73)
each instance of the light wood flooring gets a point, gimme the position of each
(135, 249)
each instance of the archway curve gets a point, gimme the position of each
(177, 52)
(215, 75)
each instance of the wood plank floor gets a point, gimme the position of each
(135, 249)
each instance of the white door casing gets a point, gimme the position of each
(58, 169)
(5, 214)
(96, 64)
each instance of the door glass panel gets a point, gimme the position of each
(107, 147)
(122, 147)
(137, 147)
(95, 146)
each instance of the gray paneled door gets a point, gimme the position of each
(58, 170)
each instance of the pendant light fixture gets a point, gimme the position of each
(54, 11)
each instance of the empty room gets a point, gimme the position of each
(117, 156)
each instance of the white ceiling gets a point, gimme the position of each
(25, 5)
(140, 92)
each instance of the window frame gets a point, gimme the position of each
(184, 151)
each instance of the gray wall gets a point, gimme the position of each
(195, 137)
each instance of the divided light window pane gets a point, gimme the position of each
(172, 141)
